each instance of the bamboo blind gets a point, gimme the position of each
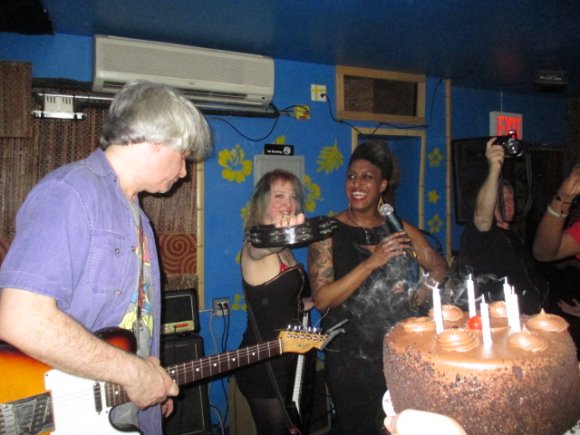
(15, 104)
(55, 142)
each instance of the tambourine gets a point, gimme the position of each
(313, 230)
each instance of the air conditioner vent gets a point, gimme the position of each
(203, 74)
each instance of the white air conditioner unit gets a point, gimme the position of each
(202, 74)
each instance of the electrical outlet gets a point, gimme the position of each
(318, 92)
(221, 307)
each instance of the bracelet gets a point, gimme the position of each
(559, 198)
(555, 213)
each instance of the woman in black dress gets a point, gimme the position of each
(370, 275)
(273, 284)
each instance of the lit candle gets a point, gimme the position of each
(471, 297)
(485, 326)
(516, 325)
(507, 293)
(506, 289)
(437, 311)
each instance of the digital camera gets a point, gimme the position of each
(512, 146)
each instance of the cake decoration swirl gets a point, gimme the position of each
(546, 322)
(418, 324)
(528, 342)
(457, 340)
(452, 313)
(498, 309)
(453, 316)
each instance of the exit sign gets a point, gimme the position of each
(500, 123)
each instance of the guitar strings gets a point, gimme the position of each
(76, 405)
(233, 358)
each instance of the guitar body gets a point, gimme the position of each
(21, 377)
(73, 406)
(307, 392)
(36, 399)
(26, 406)
(300, 404)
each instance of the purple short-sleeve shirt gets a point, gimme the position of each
(75, 241)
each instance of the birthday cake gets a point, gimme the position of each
(524, 382)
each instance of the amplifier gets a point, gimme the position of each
(179, 312)
(191, 408)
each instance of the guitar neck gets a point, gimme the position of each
(192, 371)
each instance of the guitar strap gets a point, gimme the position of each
(125, 415)
(292, 429)
(140, 289)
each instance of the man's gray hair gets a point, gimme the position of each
(156, 113)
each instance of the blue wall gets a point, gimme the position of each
(545, 121)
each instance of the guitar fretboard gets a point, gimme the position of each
(192, 371)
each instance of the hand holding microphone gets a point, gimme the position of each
(394, 223)
(387, 211)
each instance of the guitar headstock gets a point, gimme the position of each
(300, 341)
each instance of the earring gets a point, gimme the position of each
(380, 204)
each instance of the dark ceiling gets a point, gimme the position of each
(479, 43)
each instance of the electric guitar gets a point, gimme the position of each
(34, 398)
(300, 402)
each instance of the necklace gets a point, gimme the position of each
(367, 231)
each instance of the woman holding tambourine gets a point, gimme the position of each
(274, 286)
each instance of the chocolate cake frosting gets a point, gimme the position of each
(523, 383)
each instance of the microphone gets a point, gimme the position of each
(387, 211)
(394, 223)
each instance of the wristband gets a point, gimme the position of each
(555, 213)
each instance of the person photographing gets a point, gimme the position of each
(490, 250)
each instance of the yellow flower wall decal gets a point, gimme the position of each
(435, 158)
(280, 140)
(236, 167)
(312, 194)
(239, 303)
(435, 224)
(244, 210)
(329, 159)
(433, 197)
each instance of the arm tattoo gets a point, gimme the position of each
(320, 263)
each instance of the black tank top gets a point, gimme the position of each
(275, 304)
(380, 302)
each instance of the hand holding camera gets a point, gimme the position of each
(512, 146)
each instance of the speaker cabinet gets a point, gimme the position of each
(179, 312)
(469, 172)
(191, 410)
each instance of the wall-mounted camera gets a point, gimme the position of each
(512, 146)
